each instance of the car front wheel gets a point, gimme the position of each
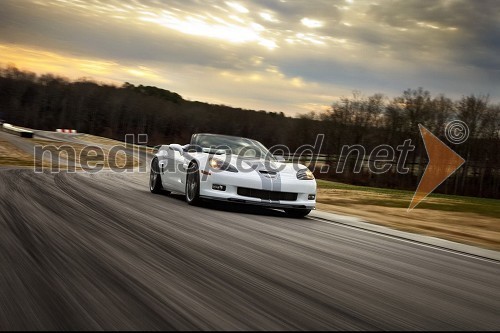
(155, 178)
(193, 184)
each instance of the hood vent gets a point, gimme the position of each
(268, 174)
(271, 173)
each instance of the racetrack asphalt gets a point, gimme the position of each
(99, 251)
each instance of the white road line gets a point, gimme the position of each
(423, 244)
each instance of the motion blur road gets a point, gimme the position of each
(82, 251)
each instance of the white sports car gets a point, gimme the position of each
(234, 169)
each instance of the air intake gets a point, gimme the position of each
(266, 195)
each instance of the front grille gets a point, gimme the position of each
(266, 195)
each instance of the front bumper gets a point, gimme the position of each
(263, 203)
(231, 181)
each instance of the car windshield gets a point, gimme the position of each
(243, 147)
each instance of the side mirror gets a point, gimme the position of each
(177, 147)
(280, 158)
(156, 149)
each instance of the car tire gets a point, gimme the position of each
(155, 185)
(297, 213)
(193, 184)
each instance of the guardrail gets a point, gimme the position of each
(17, 131)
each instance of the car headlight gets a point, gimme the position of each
(305, 174)
(218, 164)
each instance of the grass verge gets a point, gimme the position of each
(11, 155)
(469, 220)
(401, 199)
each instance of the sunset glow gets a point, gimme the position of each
(282, 55)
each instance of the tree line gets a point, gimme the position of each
(375, 120)
(49, 101)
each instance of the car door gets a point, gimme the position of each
(173, 171)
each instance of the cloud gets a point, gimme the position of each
(238, 7)
(469, 31)
(310, 23)
(329, 46)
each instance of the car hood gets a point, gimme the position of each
(261, 165)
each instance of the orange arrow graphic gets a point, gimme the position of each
(443, 162)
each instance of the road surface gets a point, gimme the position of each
(82, 251)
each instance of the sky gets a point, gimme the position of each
(286, 56)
